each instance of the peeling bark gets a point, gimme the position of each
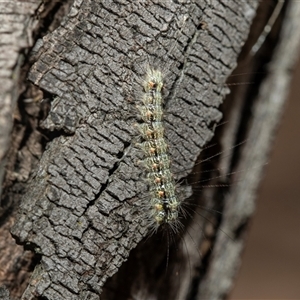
(84, 206)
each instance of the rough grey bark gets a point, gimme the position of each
(84, 207)
(18, 23)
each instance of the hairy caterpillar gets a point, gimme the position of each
(164, 203)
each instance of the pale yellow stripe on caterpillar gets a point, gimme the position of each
(156, 131)
(154, 83)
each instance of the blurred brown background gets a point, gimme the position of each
(271, 260)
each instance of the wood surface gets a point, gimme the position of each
(73, 161)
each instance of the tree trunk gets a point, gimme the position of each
(70, 158)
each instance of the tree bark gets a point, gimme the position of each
(77, 176)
